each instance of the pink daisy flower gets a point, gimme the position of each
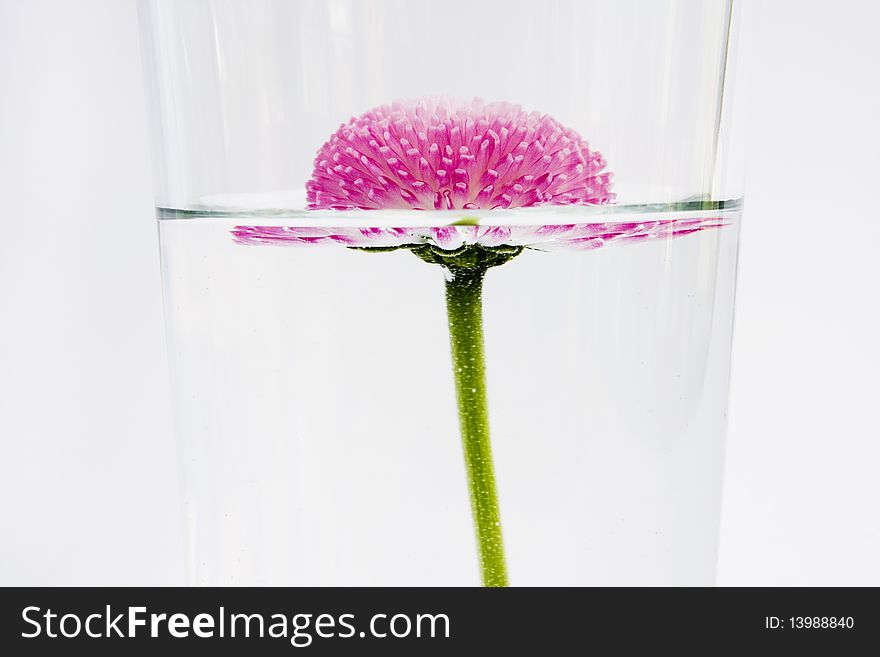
(437, 154)
(450, 238)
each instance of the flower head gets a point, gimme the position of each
(437, 154)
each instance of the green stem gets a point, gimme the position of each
(464, 307)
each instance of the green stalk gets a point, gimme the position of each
(464, 308)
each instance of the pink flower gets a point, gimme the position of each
(436, 154)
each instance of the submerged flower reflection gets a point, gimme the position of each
(547, 237)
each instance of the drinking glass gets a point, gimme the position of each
(449, 286)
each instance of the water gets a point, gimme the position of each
(317, 413)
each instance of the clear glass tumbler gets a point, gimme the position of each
(449, 286)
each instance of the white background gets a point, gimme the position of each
(88, 478)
